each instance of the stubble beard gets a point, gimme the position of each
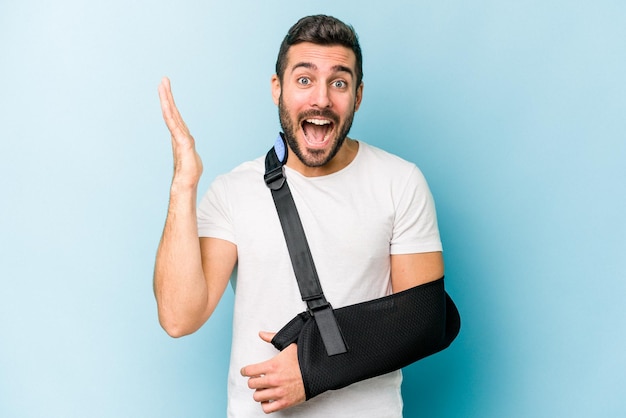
(313, 157)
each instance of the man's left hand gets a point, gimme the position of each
(277, 382)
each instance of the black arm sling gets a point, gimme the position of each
(338, 347)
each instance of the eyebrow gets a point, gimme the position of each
(311, 66)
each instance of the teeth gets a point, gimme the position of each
(318, 122)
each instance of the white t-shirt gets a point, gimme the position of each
(354, 219)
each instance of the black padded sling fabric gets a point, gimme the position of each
(338, 347)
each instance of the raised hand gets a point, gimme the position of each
(187, 162)
(278, 381)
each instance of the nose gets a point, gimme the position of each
(320, 96)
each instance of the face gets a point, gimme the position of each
(317, 99)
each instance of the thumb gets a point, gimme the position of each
(267, 336)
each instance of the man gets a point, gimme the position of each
(368, 216)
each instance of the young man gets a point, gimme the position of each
(368, 216)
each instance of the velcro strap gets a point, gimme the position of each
(329, 331)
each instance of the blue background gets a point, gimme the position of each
(513, 110)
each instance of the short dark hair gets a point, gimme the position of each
(321, 30)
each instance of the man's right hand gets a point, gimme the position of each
(190, 274)
(187, 162)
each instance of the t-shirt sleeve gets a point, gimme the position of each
(415, 225)
(214, 214)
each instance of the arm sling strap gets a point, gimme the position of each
(338, 347)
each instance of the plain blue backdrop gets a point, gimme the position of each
(514, 110)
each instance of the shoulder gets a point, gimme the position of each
(373, 154)
(248, 172)
(385, 164)
(245, 180)
(252, 167)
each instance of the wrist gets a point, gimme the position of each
(182, 187)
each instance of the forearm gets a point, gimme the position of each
(179, 283)
(382, 335)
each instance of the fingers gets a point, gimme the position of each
(268, 395)
(273, 406)
(187, 162)
(267, 336)
(167, 100)
(271, 397)
(260, 382)
(259, 368)
(171, 115)
(256, 370)
(277, 382)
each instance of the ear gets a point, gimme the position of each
(276, 89)
(359, 97)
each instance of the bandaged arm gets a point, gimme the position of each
(382, 335)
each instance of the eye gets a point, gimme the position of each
(304, 81)
(340, 84)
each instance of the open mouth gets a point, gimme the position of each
(317, 131)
